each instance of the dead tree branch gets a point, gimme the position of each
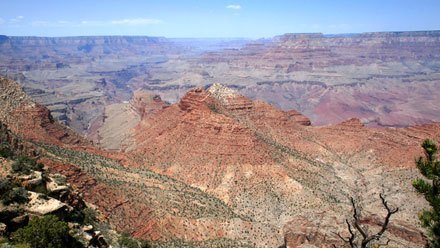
(366, 238)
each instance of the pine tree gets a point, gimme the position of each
(429, 167)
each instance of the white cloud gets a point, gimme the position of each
(2, 21)
(16, 20)
(136, 21)
(234, 6)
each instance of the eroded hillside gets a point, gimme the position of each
(219, 169)
(270, 167)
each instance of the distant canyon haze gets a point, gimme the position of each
(387, 79)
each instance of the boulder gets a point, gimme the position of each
(40, 206)
(18, 222)
(33, 182)
(3, 229)
(53, 186)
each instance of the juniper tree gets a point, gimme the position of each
(429, 167)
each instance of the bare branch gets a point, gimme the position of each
(366, 239)
(390, 212)
(357, 221)
(343, 239)
(349, 240)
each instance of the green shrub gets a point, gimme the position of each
(15, 195)
(5, 186)
(89, 216)
(59, 179)
(213, 108)
(43, 232)
(5, 150)
(25, 165)
(86, 216)
(125, 241)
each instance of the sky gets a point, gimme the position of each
(214, 18)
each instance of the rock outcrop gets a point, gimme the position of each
(114, 130)
(31, 120)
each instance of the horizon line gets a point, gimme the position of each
(224, 37)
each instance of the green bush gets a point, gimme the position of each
(43, 232)
(213, 108)
(125, 241)
(5, 150)
(5, 186)
(25, 165)
(15, 195)
(86, 216)
(89, 216)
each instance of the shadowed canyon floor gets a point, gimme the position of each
(217, 169)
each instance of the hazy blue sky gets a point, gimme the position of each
(214, 18)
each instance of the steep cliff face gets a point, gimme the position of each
(31, 120)
(114, 131)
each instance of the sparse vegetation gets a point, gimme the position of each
(218, 243)
(125, 241)
(5, 150)
(25, 165)
(47, 231)
(213, 107)
(17, 195)
(185, 198)
(10, 193)
(429, 167)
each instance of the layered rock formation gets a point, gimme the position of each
(266, 165)
(114, 130)
(385, 79)
(31, 120)
(76, 77)
(218, 169)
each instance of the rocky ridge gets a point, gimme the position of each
(218, 169)
(29, 192)
(253, 156)
(31, 120)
